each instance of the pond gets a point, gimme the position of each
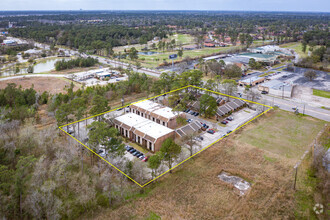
(147, 53)
(43, 66)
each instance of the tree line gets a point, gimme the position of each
(72, 63)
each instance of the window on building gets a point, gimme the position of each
(138, 139)
(142, 114)
(150, 145)
(163, 123)
(153, 118)
(126, 133)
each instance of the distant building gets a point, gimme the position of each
(209, 45)
(252, 81)
(9, 43)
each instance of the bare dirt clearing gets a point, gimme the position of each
(41, 84)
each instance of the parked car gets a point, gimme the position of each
(141, 157)
(276, 106)
(192, 112)
(211, 131)
(196, 114)
(230, 118)
(102, 153)
(229, 131)
(187, 110)
(128, 147)
(205, 125)
(132, 150)
(135, 153)
(70, 131)
(199, 138)
(264, 92)
(224, 122)
(119, 109)
(189, 120)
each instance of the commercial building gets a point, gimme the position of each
(156, 112)
(143, 131)
(9, 43)
(251, 81)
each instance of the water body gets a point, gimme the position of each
(147, 53)
(44, 66)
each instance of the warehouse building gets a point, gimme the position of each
(143, 131)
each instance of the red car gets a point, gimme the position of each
(145, 159)
(224, 122)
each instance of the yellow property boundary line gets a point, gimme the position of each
(189, 86)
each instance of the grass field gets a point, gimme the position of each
(297, 46)
(194, 191)
(284, 134)
(153, 61)
(183, 39)
(321, 93)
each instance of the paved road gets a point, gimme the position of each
(288, 104)
(32, 75)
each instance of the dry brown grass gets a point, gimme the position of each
(50, 84)
(194, 191)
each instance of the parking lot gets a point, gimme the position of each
(239, 118)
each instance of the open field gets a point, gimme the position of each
(321, 93)
(194, 191)
(50, 84)
(297, 47)
(182, 38)
(284, 134)
(152, 61)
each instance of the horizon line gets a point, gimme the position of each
(150, 10)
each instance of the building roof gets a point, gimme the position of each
(189, 128)
(229, 106)
(151, 130)
(156, 109)
(252, 79)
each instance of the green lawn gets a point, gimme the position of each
(321, 93)
(282, 133)
(296, 46)
(150, 61)
(182, 38)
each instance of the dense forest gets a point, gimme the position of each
(89, 30)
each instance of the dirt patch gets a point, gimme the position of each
(51, 84)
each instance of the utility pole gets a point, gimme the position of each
(304, 110)
(295, 177)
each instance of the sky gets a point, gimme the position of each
(241, 5)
